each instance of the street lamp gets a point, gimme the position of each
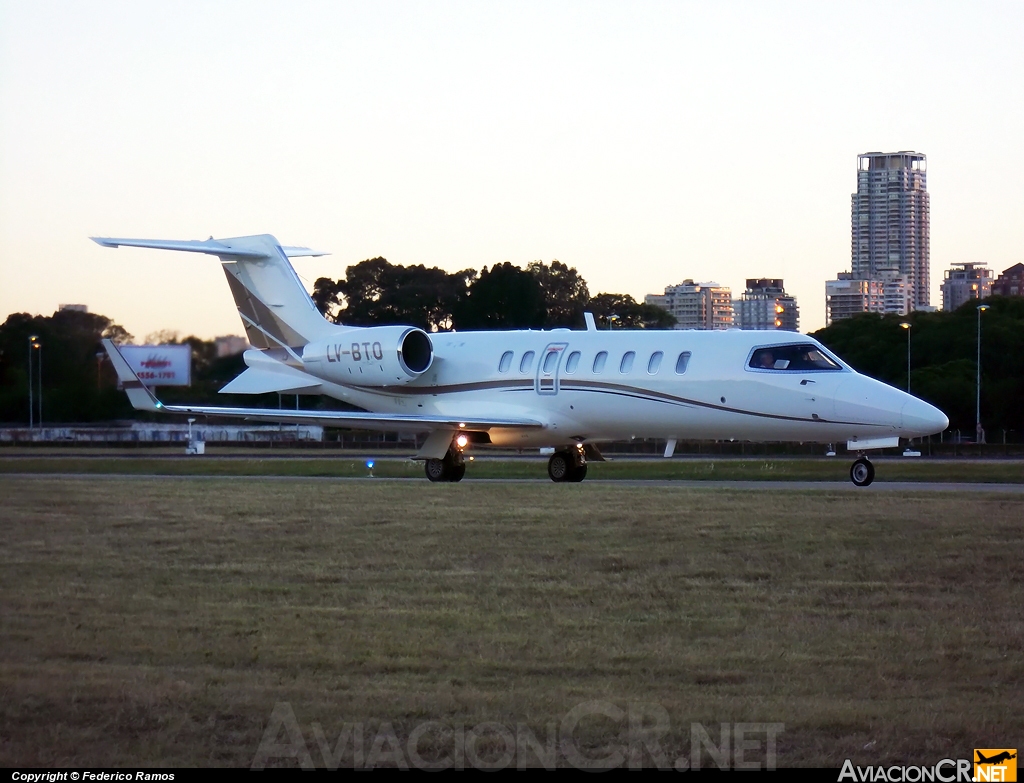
(907, 325)
(35, 348)
(979, 434)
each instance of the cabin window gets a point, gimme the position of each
(506, 361)
(792, 358)
(551, 361)
(527, 362)
(655, 363)
(572, 362)
(681, 362)
(627, 361)
(599, 361)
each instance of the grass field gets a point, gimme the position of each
(158, 622)
(785, 469)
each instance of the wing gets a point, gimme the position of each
(143, 399)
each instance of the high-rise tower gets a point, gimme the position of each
(890, 222)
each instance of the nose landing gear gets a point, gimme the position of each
(568, 465)
(862, 472)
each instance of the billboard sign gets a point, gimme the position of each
(160, 365)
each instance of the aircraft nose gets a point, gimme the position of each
(919, 418)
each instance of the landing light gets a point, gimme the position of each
(461, 441)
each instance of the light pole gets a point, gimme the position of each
(33, 346)
(979, 434)
(907, 325)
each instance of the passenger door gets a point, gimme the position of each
(547, 368)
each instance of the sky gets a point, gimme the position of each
(643, 143)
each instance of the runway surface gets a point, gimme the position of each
(760, 486)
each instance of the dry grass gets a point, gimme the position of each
(158, 622)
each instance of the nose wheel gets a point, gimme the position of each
(862, 472)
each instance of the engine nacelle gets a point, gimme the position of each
(374, 356)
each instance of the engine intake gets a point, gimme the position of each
(375, 356)
(416, 351)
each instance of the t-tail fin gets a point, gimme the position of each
(275, 308)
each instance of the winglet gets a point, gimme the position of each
(141, 397)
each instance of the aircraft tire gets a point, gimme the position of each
(560, 466)
(862, 472)
(456, 472)
(579, 473)
(438, 470)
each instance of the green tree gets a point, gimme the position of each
(375, 292)
(621, 311)
(75, 384)
(326, 297)
(565, 293)
(503, 297)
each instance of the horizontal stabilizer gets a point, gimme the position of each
(301, 252)
(210, 246)
(257, 381)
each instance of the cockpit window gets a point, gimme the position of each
(793, 358)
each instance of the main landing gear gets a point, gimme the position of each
(568, 465)
(453, 466)
(862, 472)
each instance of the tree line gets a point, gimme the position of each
(541, 296)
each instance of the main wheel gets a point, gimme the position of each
(456, 472)
(560, 466)
(862, 472)
(438, 470)
(579, 472)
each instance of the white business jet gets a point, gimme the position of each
(562, 389)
